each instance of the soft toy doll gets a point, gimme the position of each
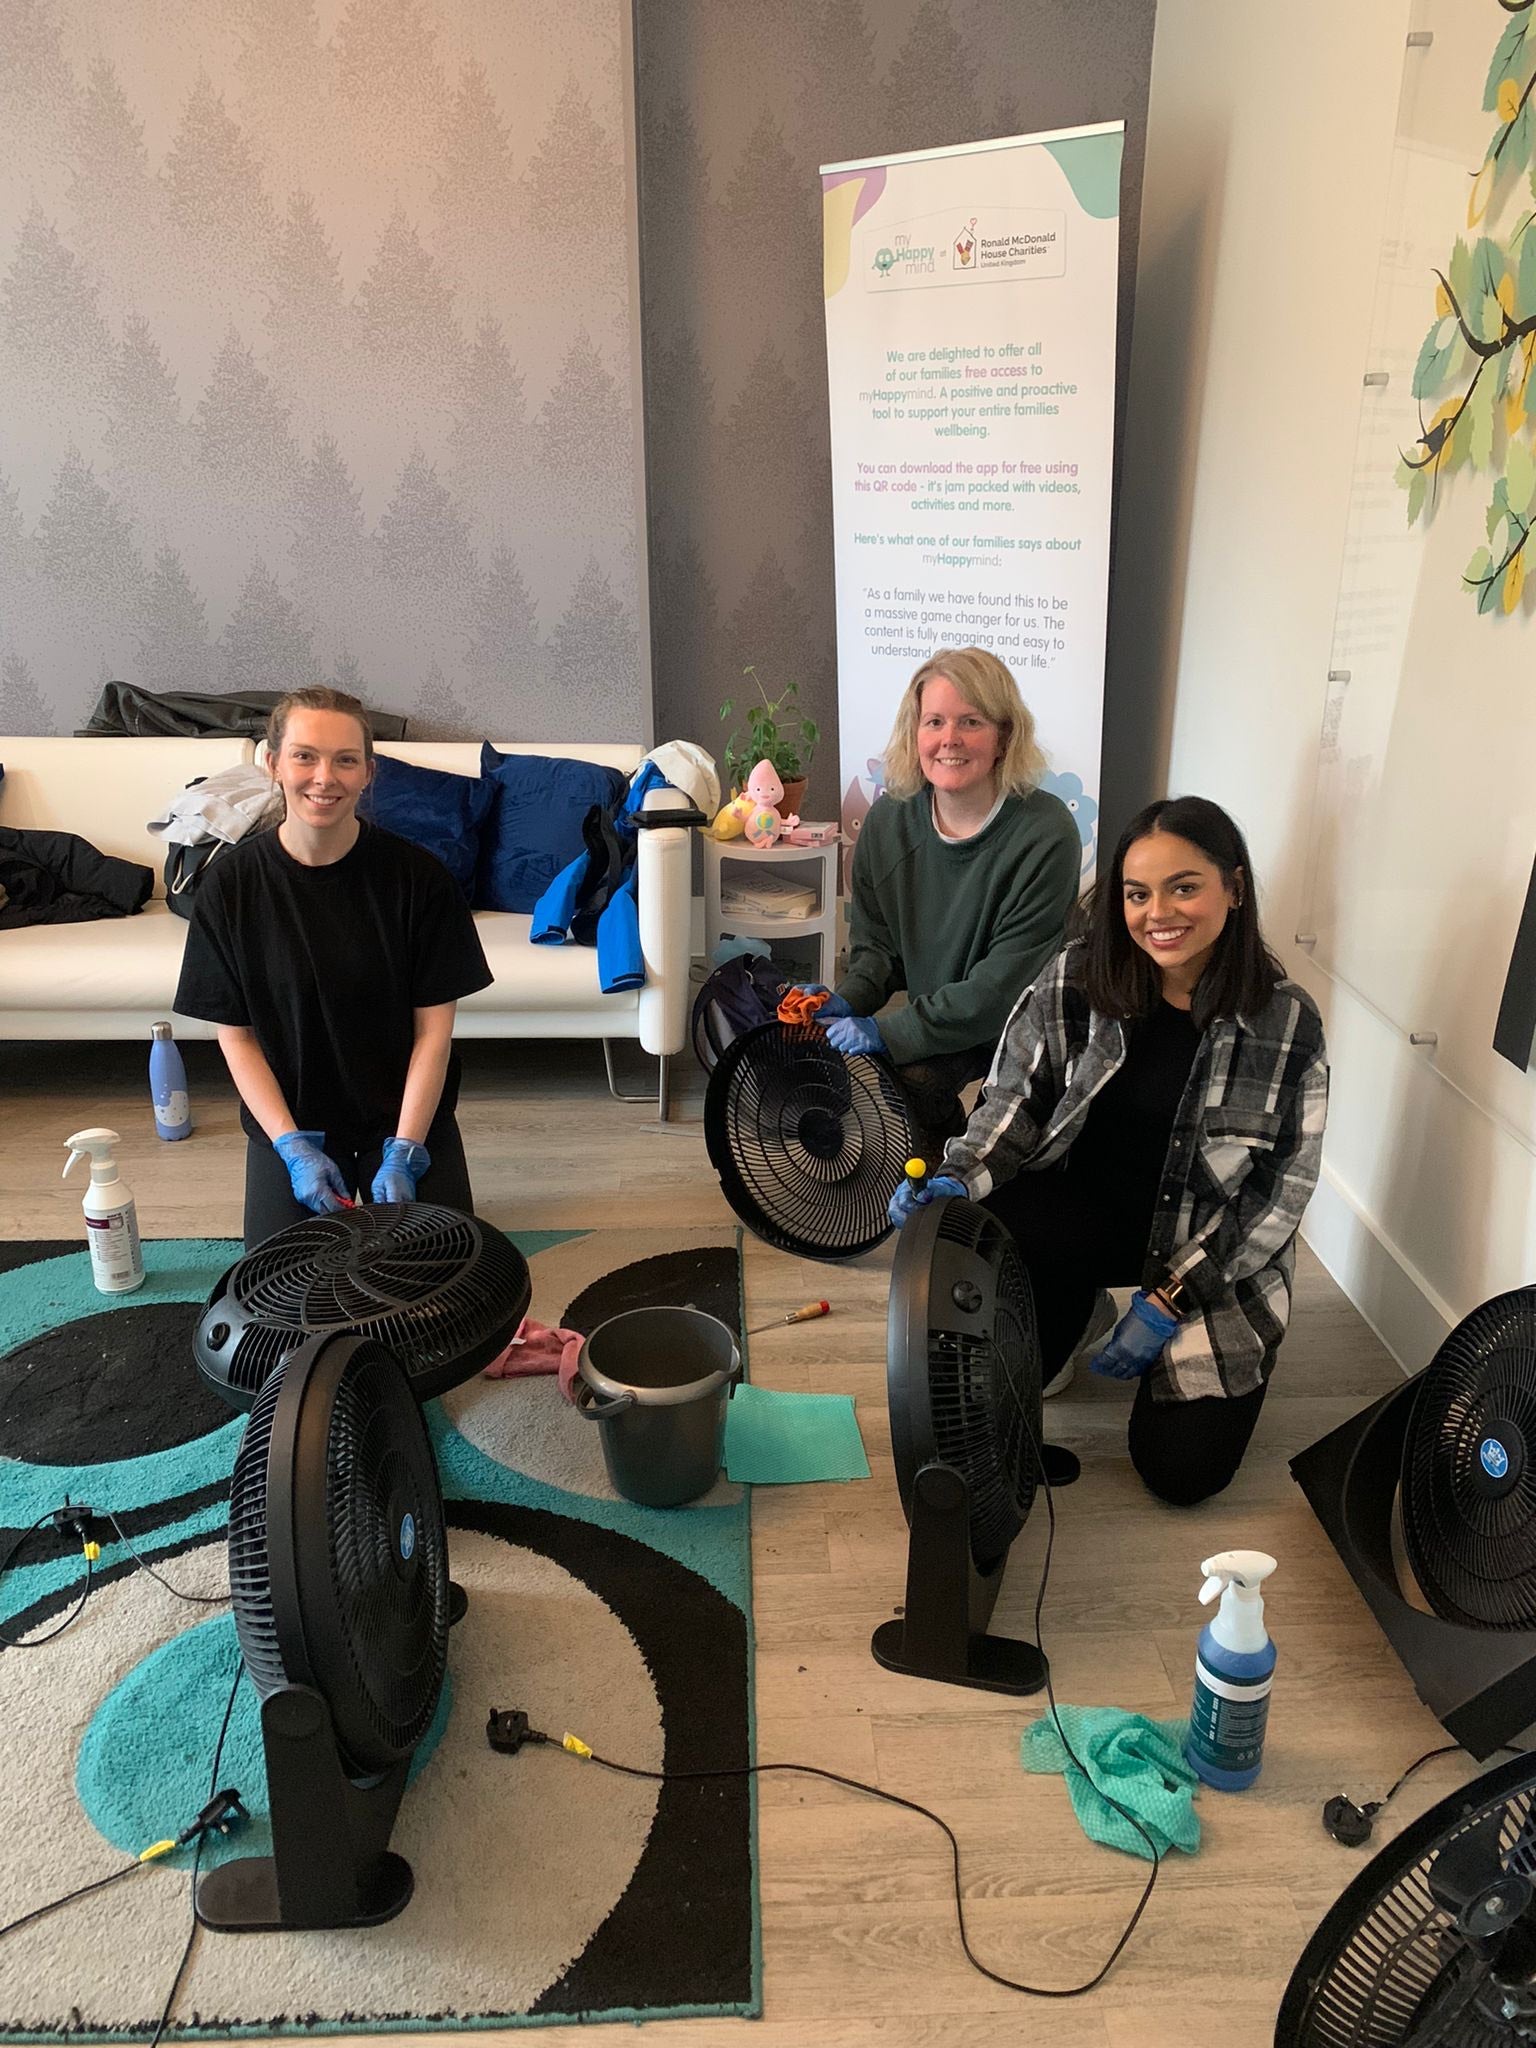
(763, 822)
(753, 812)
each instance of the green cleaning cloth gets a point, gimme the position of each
(784, 1439)
(1138, 1762)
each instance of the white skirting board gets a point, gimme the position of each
(1396, 1300)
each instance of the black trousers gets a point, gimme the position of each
(932, 1090)
(1184, 1451)
(270, 1203)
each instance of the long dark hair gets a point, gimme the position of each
(1240, 976)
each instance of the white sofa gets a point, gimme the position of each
(112, 978)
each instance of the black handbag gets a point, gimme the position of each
(185, 867)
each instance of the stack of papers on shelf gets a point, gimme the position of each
(766, 895)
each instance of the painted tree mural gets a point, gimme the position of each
(1473, 374)
(290, 377)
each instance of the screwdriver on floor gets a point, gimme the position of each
(807, 1314)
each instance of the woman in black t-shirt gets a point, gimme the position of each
(331, 956)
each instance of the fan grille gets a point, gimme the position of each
(370, 1611)
(445, 1292)
(963, 1368)
(1388, 1966)
(984, 1392)
(250, 1565)
(1469, 1469)
(383, 1648)
(809, 1145)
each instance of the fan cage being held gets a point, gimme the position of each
(1388, 1966)
(1469, 1469)
(334, 1464)
(443, 1290)
(809, 1145)
(983, 1387)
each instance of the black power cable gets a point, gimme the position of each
(77, 1517)
(1352, 1825)
(197, 1860)
(508, 1730)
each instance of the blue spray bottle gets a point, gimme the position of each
(1234, 1670)
(168, 1085)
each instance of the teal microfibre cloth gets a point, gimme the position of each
(789, 1439)
(1139, 1762)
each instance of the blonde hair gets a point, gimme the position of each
(987, 684)
(312, 697)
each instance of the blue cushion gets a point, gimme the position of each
(534, 829)
(444, 813)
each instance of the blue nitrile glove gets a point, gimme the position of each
(834, 1006)
(854, 1034)
(313, 1175)
(910, 1196)
(1136, 1342)
(403, 1164)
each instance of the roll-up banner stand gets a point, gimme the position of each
(971, 300)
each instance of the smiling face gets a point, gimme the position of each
(957, 749)
(1176, 906)
(322, 768)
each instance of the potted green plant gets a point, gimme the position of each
(775, 730)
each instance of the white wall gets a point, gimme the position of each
(1269, 146)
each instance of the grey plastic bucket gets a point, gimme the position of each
(656, 1381)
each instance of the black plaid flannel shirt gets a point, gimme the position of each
(1242, 1162)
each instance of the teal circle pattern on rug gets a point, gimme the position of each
(144, 1763)
(38, 1298)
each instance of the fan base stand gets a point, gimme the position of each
(942, 1633)
(992, 1663)
(1060, 1466)
(241, 1897)
(331, 1865)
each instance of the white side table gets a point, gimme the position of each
(795, 940)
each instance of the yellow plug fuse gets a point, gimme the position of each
(574, 1744)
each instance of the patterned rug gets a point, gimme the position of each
(546, 1890)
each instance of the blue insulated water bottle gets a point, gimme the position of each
(168, 1086)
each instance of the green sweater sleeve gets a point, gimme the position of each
(874, 970)
(1026, 936)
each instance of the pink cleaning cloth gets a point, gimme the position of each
(535, 1349)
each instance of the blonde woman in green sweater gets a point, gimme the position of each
(963, 877)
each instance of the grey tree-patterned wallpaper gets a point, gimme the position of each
(316, 346)
(739, 106)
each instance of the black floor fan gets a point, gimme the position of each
(1433, 1945)
(963, 1383)
(810, 1144)
(444, 1291)
(1429, 1497)
(338, 1568)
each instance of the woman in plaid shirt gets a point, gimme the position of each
(1154, 1116)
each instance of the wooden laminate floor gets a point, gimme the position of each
(858, 1924)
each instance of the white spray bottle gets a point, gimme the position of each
(1234, 1671)
(111, 1220)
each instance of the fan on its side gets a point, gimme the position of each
(963, 1383)
(809, 1145)
(338, 1571)
(444, 1291)
(1429, 1497)
(1433, 1945)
